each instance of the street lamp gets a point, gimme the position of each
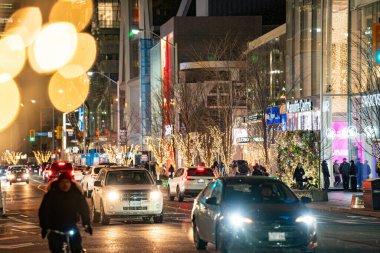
(91, 73)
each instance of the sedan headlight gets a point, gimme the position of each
(113, 195)
(25, 176)
(237, 220)
(155, 195)
(11, 176)
(307, 219)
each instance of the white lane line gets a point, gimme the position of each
(25, 216)
(16, 246)
(22, 221)
(9, 238)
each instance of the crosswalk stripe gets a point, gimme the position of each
(16, 246)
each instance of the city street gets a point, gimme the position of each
(19, 231)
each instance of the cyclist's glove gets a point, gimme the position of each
(88, 229)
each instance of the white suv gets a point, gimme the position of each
(189, 182)
(121, 193)
(89, 179)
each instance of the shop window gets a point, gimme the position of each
(108, 13)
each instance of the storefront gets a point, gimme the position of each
(302, 115)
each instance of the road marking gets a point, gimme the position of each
(16, 246)
(21, 221)
(39, 188)
(27, 226)
(25, 216)
(8, 238)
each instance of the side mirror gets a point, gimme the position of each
(212, 201)
(305, 200)
(158, 182)
(97, 184)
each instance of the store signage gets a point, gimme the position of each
(302, 105)
(272, 115)
(254, 117)
(370, 100)
(242, 140)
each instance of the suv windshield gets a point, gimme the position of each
(259, 192)
(128, 177)
(200, 172)
(18, 170)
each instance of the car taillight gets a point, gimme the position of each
(200, 169)
(50, 172)
(61, 163)
(72, 172)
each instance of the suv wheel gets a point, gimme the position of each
(94, 215)
(104, 219)
(159, 218)
(171, 198)
(180, 197)
(199, 243)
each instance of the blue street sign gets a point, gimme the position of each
(41, 133)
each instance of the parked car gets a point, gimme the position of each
(252, 213)
(89, 179)
(189, 182)
(55, 169)
(16, 174)
(3, 172)
(33, 168)
(77, 174)
(121, 193)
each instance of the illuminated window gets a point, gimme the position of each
(108, 13)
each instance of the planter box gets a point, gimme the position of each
(315, 195)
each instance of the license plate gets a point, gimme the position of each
(276, 236)
(134, 203)
(18, 179)
(201, 181)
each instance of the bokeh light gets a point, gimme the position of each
(25, 23)
(83, 58)
(9, 103)
(79, 13)
(68, 94)
(54, 47)
(12, 57)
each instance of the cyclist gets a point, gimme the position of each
(59, 211)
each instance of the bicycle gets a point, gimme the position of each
(308, 185)
(66, 248)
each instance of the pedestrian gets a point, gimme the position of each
(326, 175)
(222, 169)
(366, 170)
(59, 211)
(171, 171)
(256, 170)
(298, 174)
(244, 169)
(235, 168)
(264, 171)
(344, 169)
(337, 179)
(359, 167)
(353, 176)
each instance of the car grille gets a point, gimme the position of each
(135, 196)
(132, 208)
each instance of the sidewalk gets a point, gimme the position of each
(340, 202)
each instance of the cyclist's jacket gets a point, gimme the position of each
(61, 210)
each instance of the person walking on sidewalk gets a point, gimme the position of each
(344, 169)
(337, 179)
(326, 175)
(298, 176)
(366, 170)
(353, 176)
(360, 174)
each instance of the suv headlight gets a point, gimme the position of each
(113, 195)
(155, 195)
(237, 220)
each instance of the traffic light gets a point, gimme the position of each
(58, 132)
(376, 42)
(32, 135)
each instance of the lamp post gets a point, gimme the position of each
(91, 73)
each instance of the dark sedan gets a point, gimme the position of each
(252, 212)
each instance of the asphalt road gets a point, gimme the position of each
(19, 231)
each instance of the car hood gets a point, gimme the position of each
(130, 187)
(275, 211)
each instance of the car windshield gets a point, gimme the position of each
(123, 177)
(200, 172)
(18, 170)
(97, 169)
(258, 192)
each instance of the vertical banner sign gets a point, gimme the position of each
(81, 118)
(145, 46)
(166, 78)
(376, 42)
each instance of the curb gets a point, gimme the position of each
(333, 209)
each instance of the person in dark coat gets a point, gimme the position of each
(366, 170)
(326, 175)
(171, 171)
(298, 174)
(344, 169)
(353, 176)
(359, 167)
(256, 170)
(60, 209)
